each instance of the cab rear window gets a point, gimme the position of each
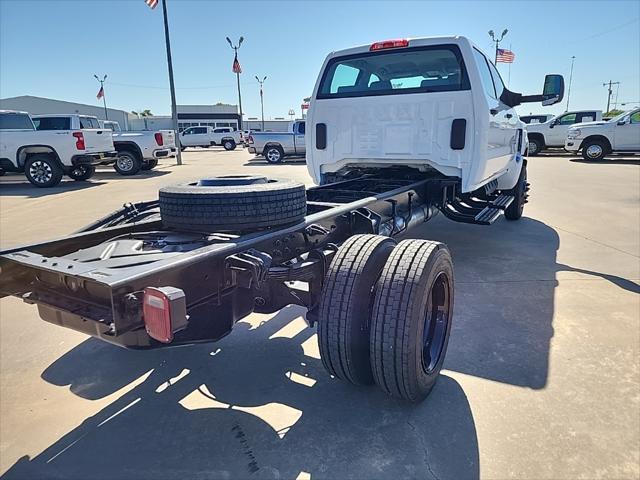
(399, 71)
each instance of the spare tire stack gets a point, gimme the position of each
(234, 203)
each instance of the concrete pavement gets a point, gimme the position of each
(541, 379)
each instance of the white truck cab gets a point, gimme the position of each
(553, 132)
(598, 139)
(207, 136)
(432, 104)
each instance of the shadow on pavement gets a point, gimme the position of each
(113, 175)
(609, 161)
(20, 187)
(258, 403)
(251, 406)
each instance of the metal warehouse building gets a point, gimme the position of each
(188, 115)
(40, 105)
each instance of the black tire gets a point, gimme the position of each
(274, 154)
(149, 164)
(43, 171)
(182, 149)
(2, 172)
(229, 144)
(127, 163)
(413, 298)
(594, 150)
(536, 145)
(345, 307)
(515, 210)
(232, 203)
(82, 173)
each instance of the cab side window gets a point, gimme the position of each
(586, 117)
(635, 117)
(568, 119)
(498, 84)
(485, 74)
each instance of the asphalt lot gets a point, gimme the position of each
(541, 380)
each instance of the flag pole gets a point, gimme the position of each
(174, 111)
(509, 79)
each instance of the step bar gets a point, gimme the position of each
(477, 211)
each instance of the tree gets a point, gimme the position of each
(144, 113)
(612, 113)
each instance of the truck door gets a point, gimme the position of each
(498, 149)
(298, 138)
(627, 136)
(508, 116)
(558, 129)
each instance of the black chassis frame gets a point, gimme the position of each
(224, 281)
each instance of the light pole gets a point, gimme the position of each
(497, 41)
(101, 94)
(261, 98)
(573, 58)
(292, 113)
(237, 70)
(172, 88)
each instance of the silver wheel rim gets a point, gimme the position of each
(533, 147)
(228, 145)
(40, 171)
(125, 163)
(273, 155)
(594, 151)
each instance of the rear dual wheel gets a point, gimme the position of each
(385, 314)
(82, 172)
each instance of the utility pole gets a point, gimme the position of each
(237, 70)
(573, 58)
(497, 42)
(261, 98)
(174, 110)
(101, 94)
(610, 91)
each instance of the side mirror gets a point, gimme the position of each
(553, 90)
(623, 121)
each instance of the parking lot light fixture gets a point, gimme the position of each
(237, 70)
(497, 42)
(101, 94)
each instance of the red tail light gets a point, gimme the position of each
(159, 139)
(398, 43)
(79, 140)
(250, 139)
(164, 311)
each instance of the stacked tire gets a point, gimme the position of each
(385, 314)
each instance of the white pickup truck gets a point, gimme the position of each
(430, 104)
(45, 156)
(597, 139)
(206, 136)
(553, 132)
(275, 145)
(139, 150)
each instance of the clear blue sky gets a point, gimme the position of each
(52, 48)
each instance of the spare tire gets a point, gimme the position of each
(232, 203)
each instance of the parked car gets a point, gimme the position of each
(45, 156)
(553, 133)
(208, 136)
(407, 128)
(536, 118)
(274, 146)
(599, 139)
(139, 150)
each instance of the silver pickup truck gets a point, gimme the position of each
(275, 145)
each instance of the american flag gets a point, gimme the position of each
(505, 56)
(100, 93)
(151, 3)
(236, 65)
